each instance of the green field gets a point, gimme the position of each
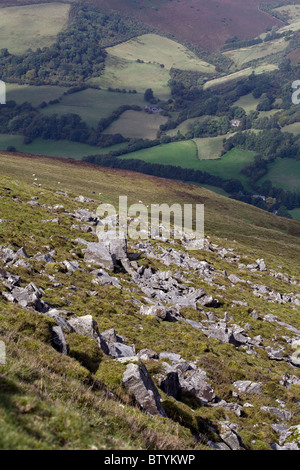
(131, 75)
(247, 102)
(160, 50)
(270, 113)
(176, 153)
(209, 148)
(184, 154)
(93, 105)
(258, 51)
(295, 213)
(292, 128)
(284, 173)
(32, 26)
(53, 148)
(240, 74)
(137, 124)
(33, 94)
(291, 13)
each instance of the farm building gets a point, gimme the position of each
(152, 109)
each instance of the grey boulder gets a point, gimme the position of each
(139, 382)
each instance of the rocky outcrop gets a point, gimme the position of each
(229, 435)
(88, 327)
(27, 297)
(98, 255)
(246, 387)
(161, 312)
(139, 382)
(116, 346)
(289, 439)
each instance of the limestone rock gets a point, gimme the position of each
(247, 387)
(230, 436)
(98, 254)
(137, 379)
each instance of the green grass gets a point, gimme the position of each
(53, 148)
(183, 154)
(137, 124)
(284, 173)
(259, 51)
(290, 12)
(122, 73)
(33, 94)
(209, 148)
(176, 153)
(293, 128)
(240, 74)
(92, 105)
(160, 50)
(269, 113)
(295, 213)
(247, 102)
(32, 26)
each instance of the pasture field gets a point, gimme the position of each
(258, 51)
(291, 27)
(293, 128)
(131, 75)
(291, 13)
(284, 173)
(247, 102)
(295, 213)
(240, 74)
(269, 113)
(160, 50)
(92, 105)
(137, 124)
(32, 26)
(184, 154)
(33, 94)
(54, 148)
(209, 148)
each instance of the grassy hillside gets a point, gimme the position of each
(157, 49)
(52, 148)
(284, 173)
(54, 401)
(240, 74)
(78, 401)
(137, 124)
(93, 105)
(131, 75)
(32, 26)
(199, 154)
(33, 94)
(222, 217)
(248, 54)
(207, 24)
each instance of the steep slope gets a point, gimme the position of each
(207, 24)
(148, 346)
